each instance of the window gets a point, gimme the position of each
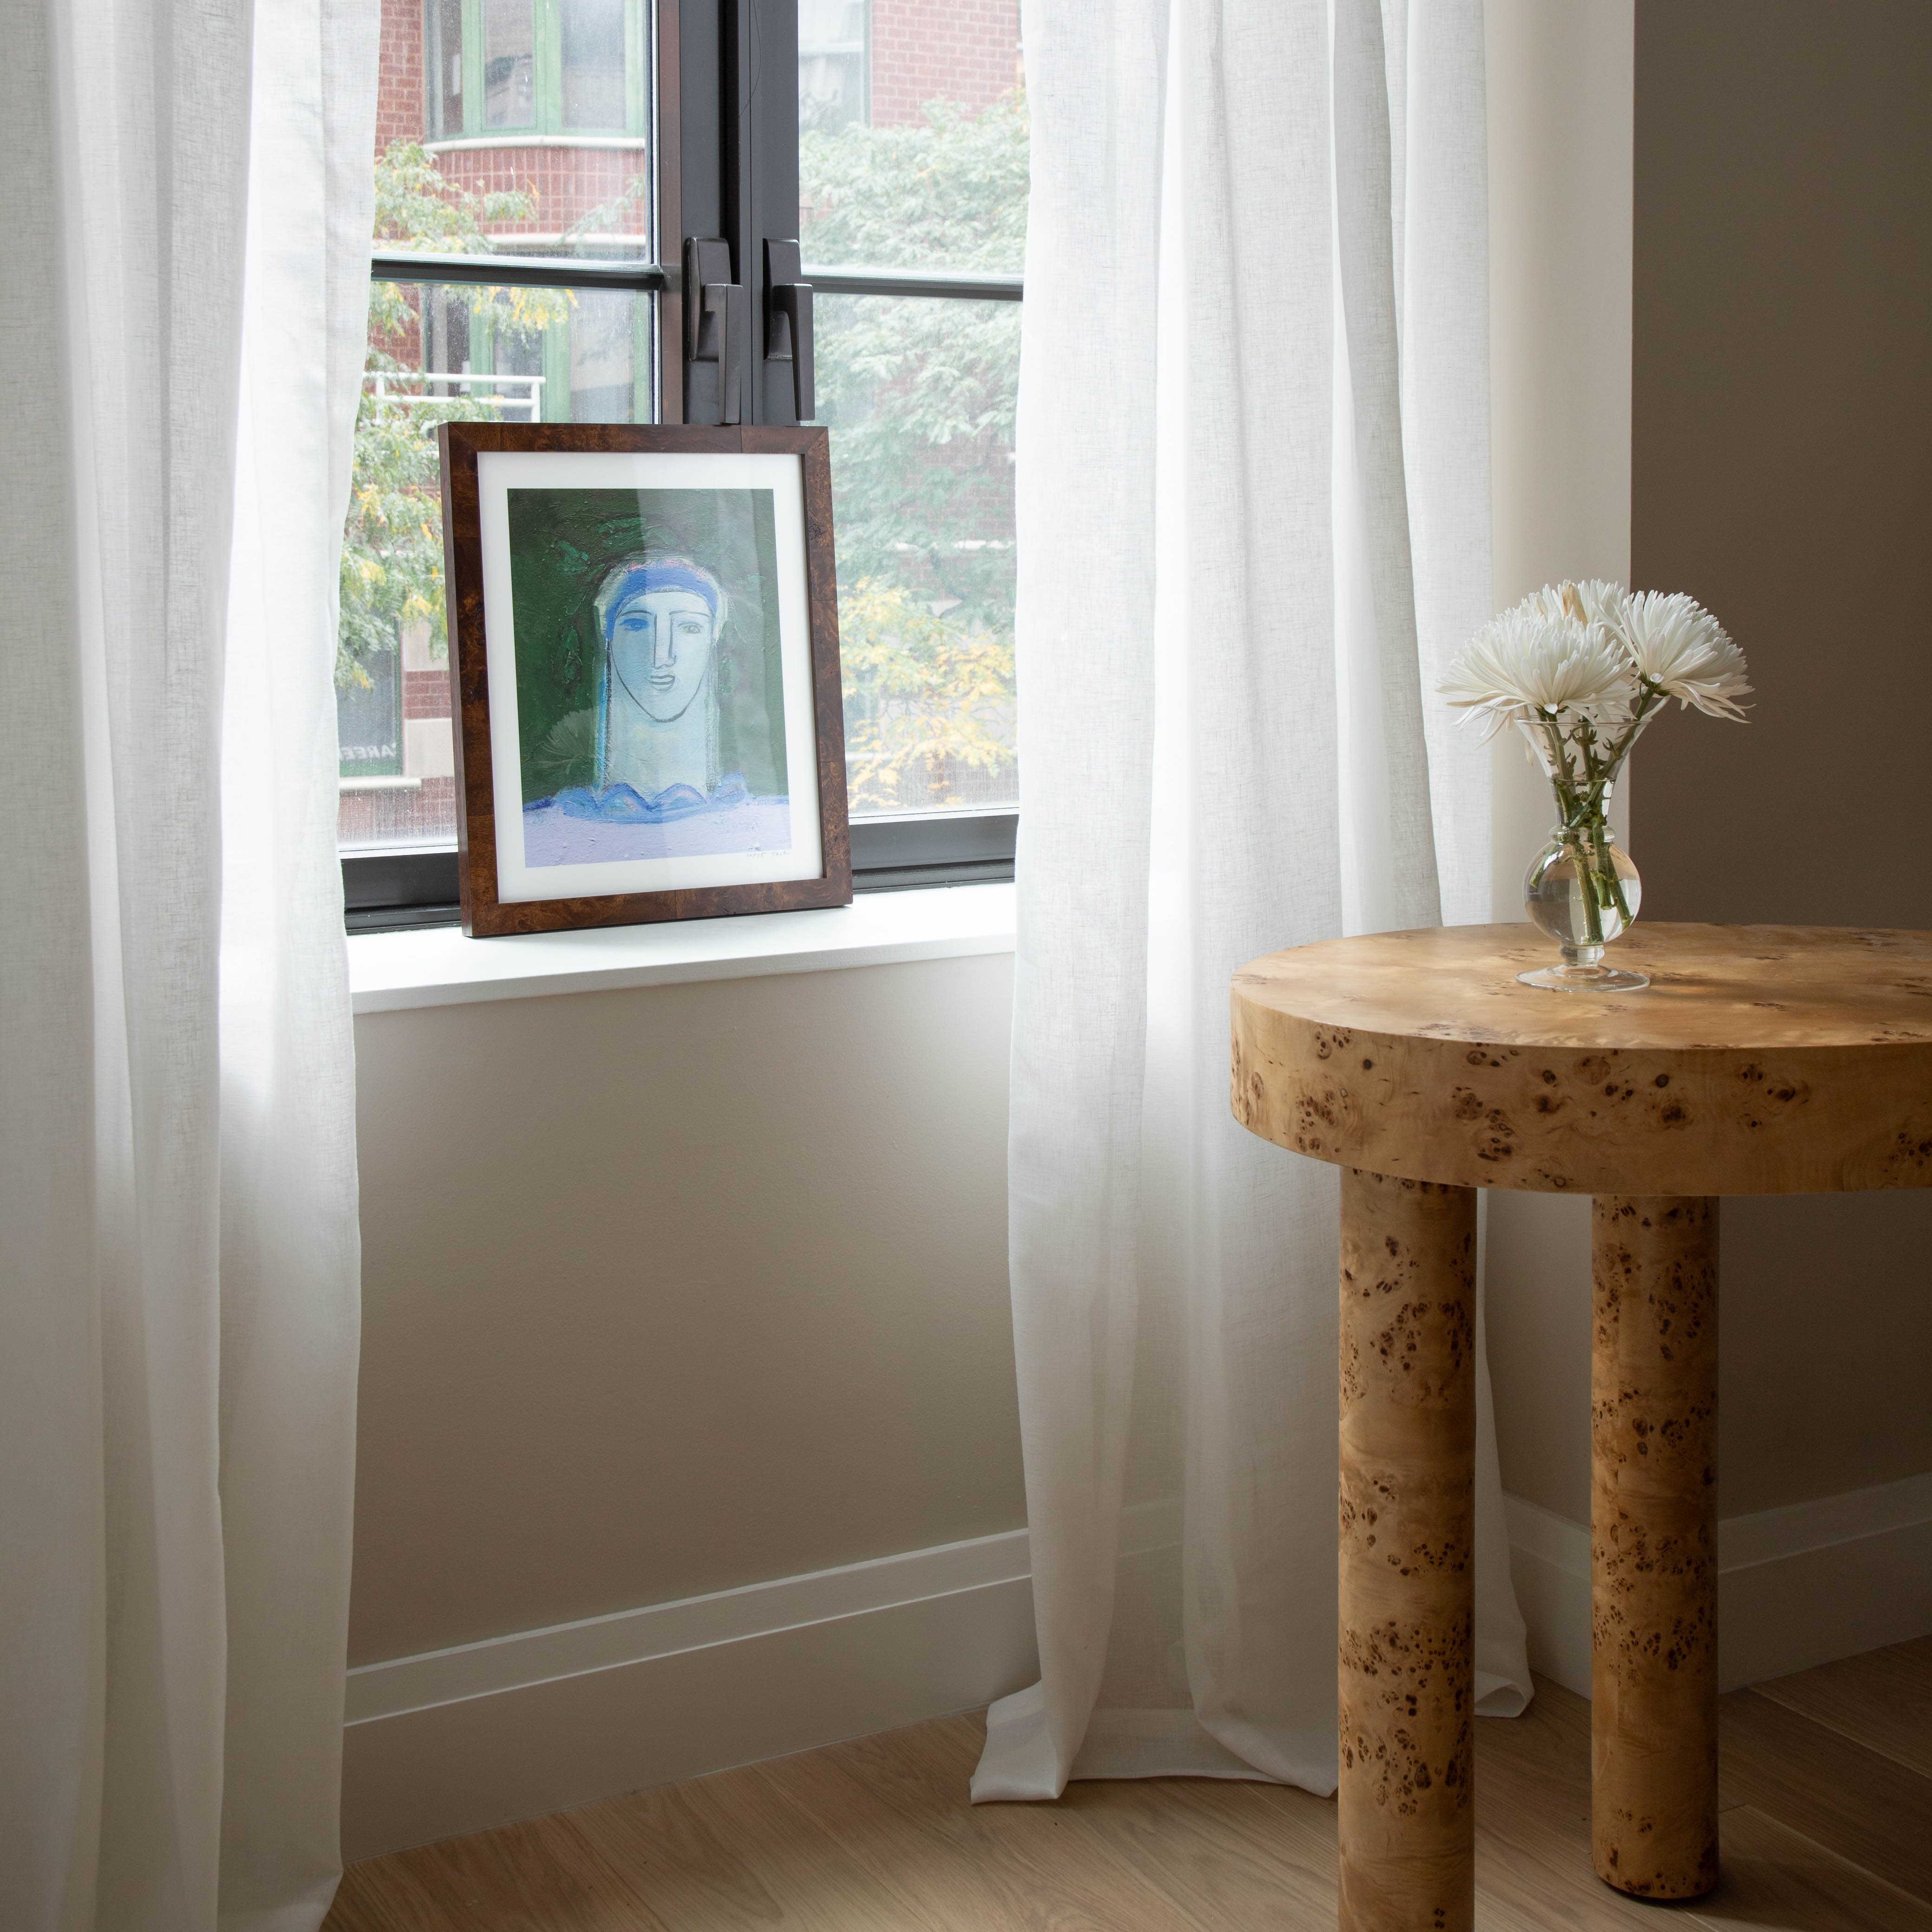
(538, 164)
(912, 223)
(512, 283)
(541, 66)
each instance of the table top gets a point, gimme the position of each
(1761, 1059)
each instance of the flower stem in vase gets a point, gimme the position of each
(1606, 873)
(1584, 859)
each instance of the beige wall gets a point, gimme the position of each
(672, 1290)
(1782, 435)
(1774, 372)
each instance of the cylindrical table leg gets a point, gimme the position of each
(1407, 1670)
(1654, 1545)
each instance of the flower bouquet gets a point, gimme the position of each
(1580, 671)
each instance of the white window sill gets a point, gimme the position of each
(436, 966)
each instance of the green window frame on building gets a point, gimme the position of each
(519, 49)
(554, 340)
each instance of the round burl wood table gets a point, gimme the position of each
(1761, 1059)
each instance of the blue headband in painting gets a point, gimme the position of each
(641, 576)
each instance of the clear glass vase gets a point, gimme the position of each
(1581, 888)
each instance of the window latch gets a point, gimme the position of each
(715, 313)
(788, 321)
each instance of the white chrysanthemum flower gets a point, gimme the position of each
(1678, 646)
(1595, 600)
(1527, 662)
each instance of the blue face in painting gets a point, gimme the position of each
(661, 651)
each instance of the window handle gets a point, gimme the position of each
(716, 314)
(788, 321)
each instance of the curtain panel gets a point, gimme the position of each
(187, 237)
(1253, 496)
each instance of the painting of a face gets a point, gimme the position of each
(640, 641)
(650, 695)
(660, 647)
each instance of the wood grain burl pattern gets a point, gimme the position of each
(1761, 1059)
(1654, 1545)
(1406, 1666)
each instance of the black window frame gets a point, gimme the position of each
(727, 160)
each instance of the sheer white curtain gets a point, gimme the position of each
(1254, 512)
(188, 219)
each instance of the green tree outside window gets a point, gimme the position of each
(920, 394)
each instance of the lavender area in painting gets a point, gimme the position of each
(552, 837)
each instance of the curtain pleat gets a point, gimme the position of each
(1253, 504)
(188, 217)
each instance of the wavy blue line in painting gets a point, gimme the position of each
(621, 804)
(581, 825)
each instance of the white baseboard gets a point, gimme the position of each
(460, 1740)
(1796, 1587)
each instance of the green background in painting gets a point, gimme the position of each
(563, 544)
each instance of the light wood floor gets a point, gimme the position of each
(1826, 1783)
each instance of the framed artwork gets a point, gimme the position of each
(644, 639)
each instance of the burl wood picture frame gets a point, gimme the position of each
(643, 653)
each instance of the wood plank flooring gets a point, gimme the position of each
(1826, 1780)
